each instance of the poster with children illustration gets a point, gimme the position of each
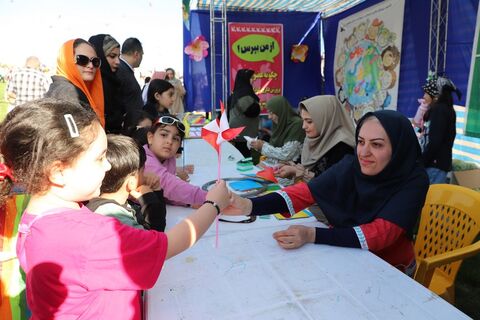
(367, 58)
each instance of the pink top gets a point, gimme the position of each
(174, 189)
(422, 109)
(81, 265)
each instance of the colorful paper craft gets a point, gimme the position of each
(267, 174)
(272, 187)
(305, 213)
(244, 185)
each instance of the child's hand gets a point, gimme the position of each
(257, 144)
(183, 175)
(220, 195)
(238, 206)
(189, 168)
(140, 191)
(151, 180)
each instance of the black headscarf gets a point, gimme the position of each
(349, 198)
(111, 84)
(242, 87)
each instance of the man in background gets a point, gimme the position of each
(27, 83)
(130, 91)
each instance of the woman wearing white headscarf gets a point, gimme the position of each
(330, 135)
(177, 107)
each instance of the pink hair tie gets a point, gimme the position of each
(5, 172)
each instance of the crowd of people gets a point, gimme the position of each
(88, 142)
(99, 73)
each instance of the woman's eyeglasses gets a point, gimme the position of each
(168, 120)
(83, 61)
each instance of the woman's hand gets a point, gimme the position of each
(238, 206)
(295, 236)
(257, 144)
(286, 171)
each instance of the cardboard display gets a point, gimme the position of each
(467, 178)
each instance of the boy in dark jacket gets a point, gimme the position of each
(125, 180)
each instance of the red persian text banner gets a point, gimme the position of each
(258, 46)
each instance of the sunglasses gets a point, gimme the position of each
(168, 120)
(83, 61)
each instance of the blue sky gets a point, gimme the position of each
(33, 27)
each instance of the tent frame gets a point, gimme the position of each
(437, 42)
(222, 20)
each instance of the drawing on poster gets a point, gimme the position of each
(367, 61)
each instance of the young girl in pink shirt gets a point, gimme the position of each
(81, 265)
(164, 139)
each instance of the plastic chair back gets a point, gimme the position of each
(450, 220)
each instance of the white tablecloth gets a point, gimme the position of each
(248, 276)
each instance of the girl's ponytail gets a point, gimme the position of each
(6, 180)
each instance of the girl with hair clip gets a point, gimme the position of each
(372, 200)
(439, 129)
(164, 140)
(160, 97)
(77, 79)
(79, 264)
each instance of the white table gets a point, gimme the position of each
(250, 277)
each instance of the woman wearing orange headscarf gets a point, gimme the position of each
(77, 79)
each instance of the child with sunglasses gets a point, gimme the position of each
(164, 139)
(78, 79)
(79, 264)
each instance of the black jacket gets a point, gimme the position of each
(149, 212)
(129, 93)
(440, 131)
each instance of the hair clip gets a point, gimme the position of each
(5, 172)
(72, 126)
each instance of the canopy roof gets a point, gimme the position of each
(327, 7)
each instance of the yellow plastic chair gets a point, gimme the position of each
(450, 222)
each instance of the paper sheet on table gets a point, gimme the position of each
(299, 215)
(244, 185)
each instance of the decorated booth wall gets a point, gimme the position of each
(410, 73)
(305, 79)
(413, 68)
(263, 41)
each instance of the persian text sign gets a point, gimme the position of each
(258, 46)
